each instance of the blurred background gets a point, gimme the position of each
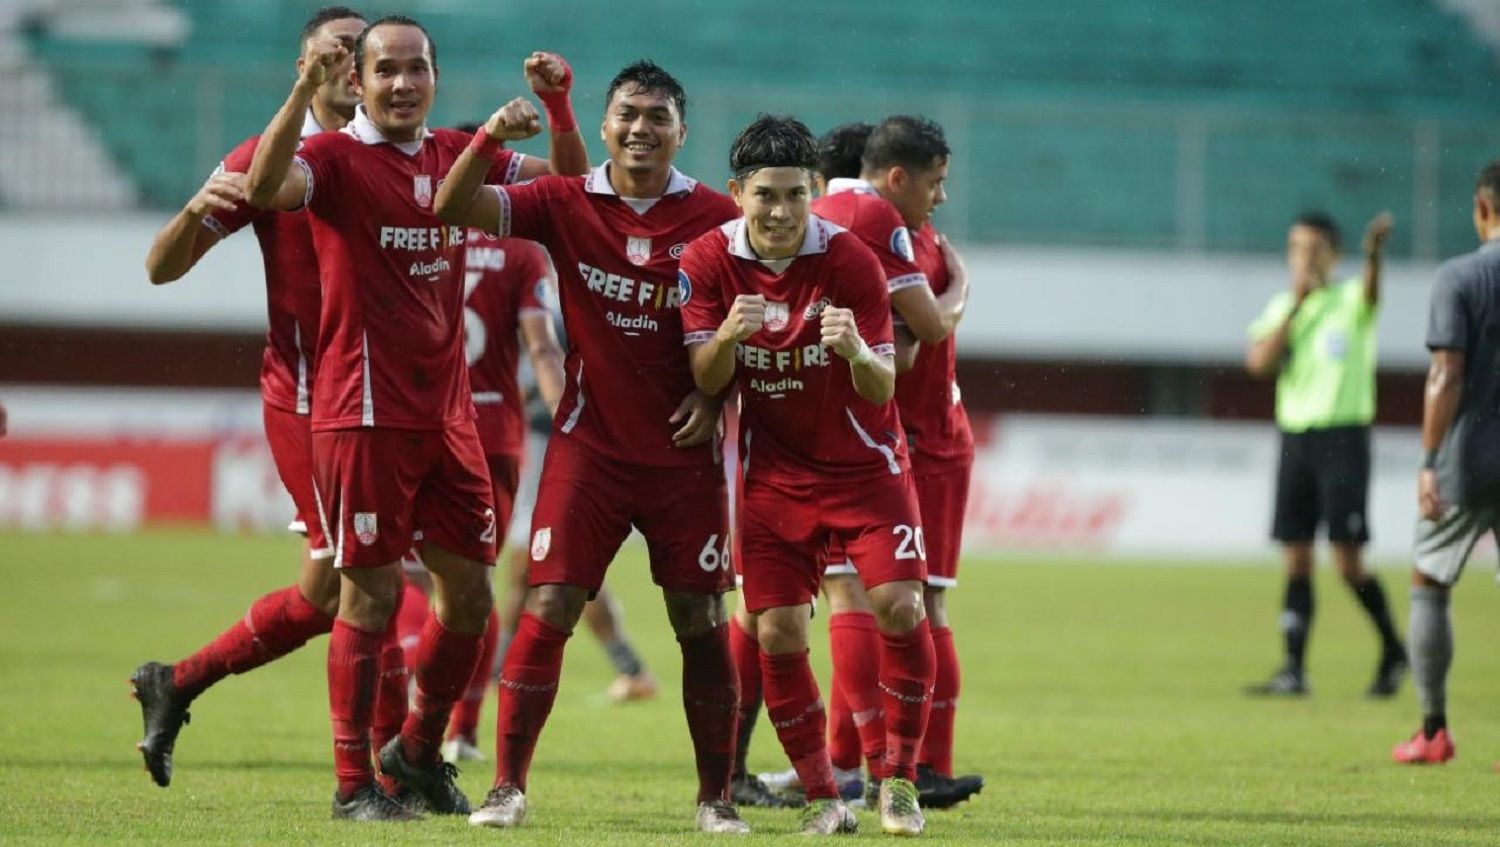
(1123, 177)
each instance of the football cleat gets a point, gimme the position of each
(434, 785)
(747, 790)
(1286, 682)
(1421, 750)
(936, 791)
(457, 749)
(721, 817)
(626, 688)
(164, 712)
(504, 807)
(371, 804)
(828, 817)
(900, 812)
(1388, 676)
(782, 780)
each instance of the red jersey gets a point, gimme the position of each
(800, 416)
(390, 339)
(292, 293)
(504, 278)
(937, 426)
(854, 205)
(617, 280)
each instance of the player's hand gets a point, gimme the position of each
(547, 73)
(840, 333)
(747, 314)
(699, 416)
(1430, 504)
(514, 121)
(221, 193)
(951, 256)
(1377, 231)
(324, 59)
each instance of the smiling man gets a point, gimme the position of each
(394, 442)
(795, 310)
(630, 445)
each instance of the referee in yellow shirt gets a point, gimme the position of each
(1318, 340)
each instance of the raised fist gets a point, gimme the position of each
(514, 121)
(547, 73)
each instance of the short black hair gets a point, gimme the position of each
(325, 15)
(1489, 180)
(773, 141)
(1323, 223)
(394, 20)
(841, 151)
(646, 75)
(909, 141)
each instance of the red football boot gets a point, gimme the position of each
(1421, 750)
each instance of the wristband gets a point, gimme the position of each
(559, 108)
(864, 356)
(484, 145)
(1429, 460)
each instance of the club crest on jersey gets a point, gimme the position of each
(777, 316)
(684, 288)
(677, 251)
(637, 250)
(421, 190)
(815, 310)
(541, 543)
(365, 528)
(901, 244)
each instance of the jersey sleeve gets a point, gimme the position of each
(533, 280)
(1447, 324)
(1270, 317)
(524, 209)
(865, 293)
(700, 293)
(319, 160)
(886, 234)
(506, 168)
(227, 222)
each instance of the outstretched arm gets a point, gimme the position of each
(551, 80)
(1374, 243)
(459, 199)
(184, 240)
(273, 183)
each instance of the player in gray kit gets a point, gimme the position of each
(1458, 488)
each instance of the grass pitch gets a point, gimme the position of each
(1101, 702)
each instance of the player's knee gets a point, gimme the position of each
(845, 594)
(558, 606)
(694, 614)
(898, 607)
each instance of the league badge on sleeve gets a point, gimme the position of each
(421, 190)
(777, 316)
(365, 528)
(901, 244)
(637, 250)
(684, 288)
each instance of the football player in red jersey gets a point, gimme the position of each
(630, 445)
(795, 310)
(395, 448)
(283, 620)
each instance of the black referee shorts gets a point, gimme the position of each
(1324, 476)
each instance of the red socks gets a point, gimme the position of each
(796, 711)
(854, 641)
(276, 624)
(711, 699)
(445, 661)
(906, 674)
(528, 687)
(390, 693)
(353, 670)
(465, 722)
(937, 745)
(411, 615)
(744, 651)
(843, 736)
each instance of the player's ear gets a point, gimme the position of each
(896, 178)
(681, 134)
(734, 191)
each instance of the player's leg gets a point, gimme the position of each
(1344, 483)
(745, 788)
(1294, 525)
(1442, 547)
(275, 625)
(578, 525)
(605, 618)
(856, 702)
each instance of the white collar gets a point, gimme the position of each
(367, 132)
(838, 185)
(310, 125)
(815, 240)
(597, 182)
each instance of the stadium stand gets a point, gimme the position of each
(1079, 121)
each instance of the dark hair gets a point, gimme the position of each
(773, 141)
(841, 151)
(646, 75)
(1323, 223)
(393, 20)
(1489, 180)
(911, 142)
(327, 14)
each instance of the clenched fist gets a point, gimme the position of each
(840, 333)
(514, 121)
(747, 314)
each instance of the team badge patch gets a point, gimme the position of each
(541, 543)
(637, 250)
(684, 288)
(677, 251)
(901, 244)
(421, 190)
(777, 316)
(365, 528)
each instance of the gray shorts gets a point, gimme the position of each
(1443, 546)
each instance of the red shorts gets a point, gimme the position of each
(378, 486)
(505, 480)
(790, 527)
(943, 496)
(290, 437)
(587, 504)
